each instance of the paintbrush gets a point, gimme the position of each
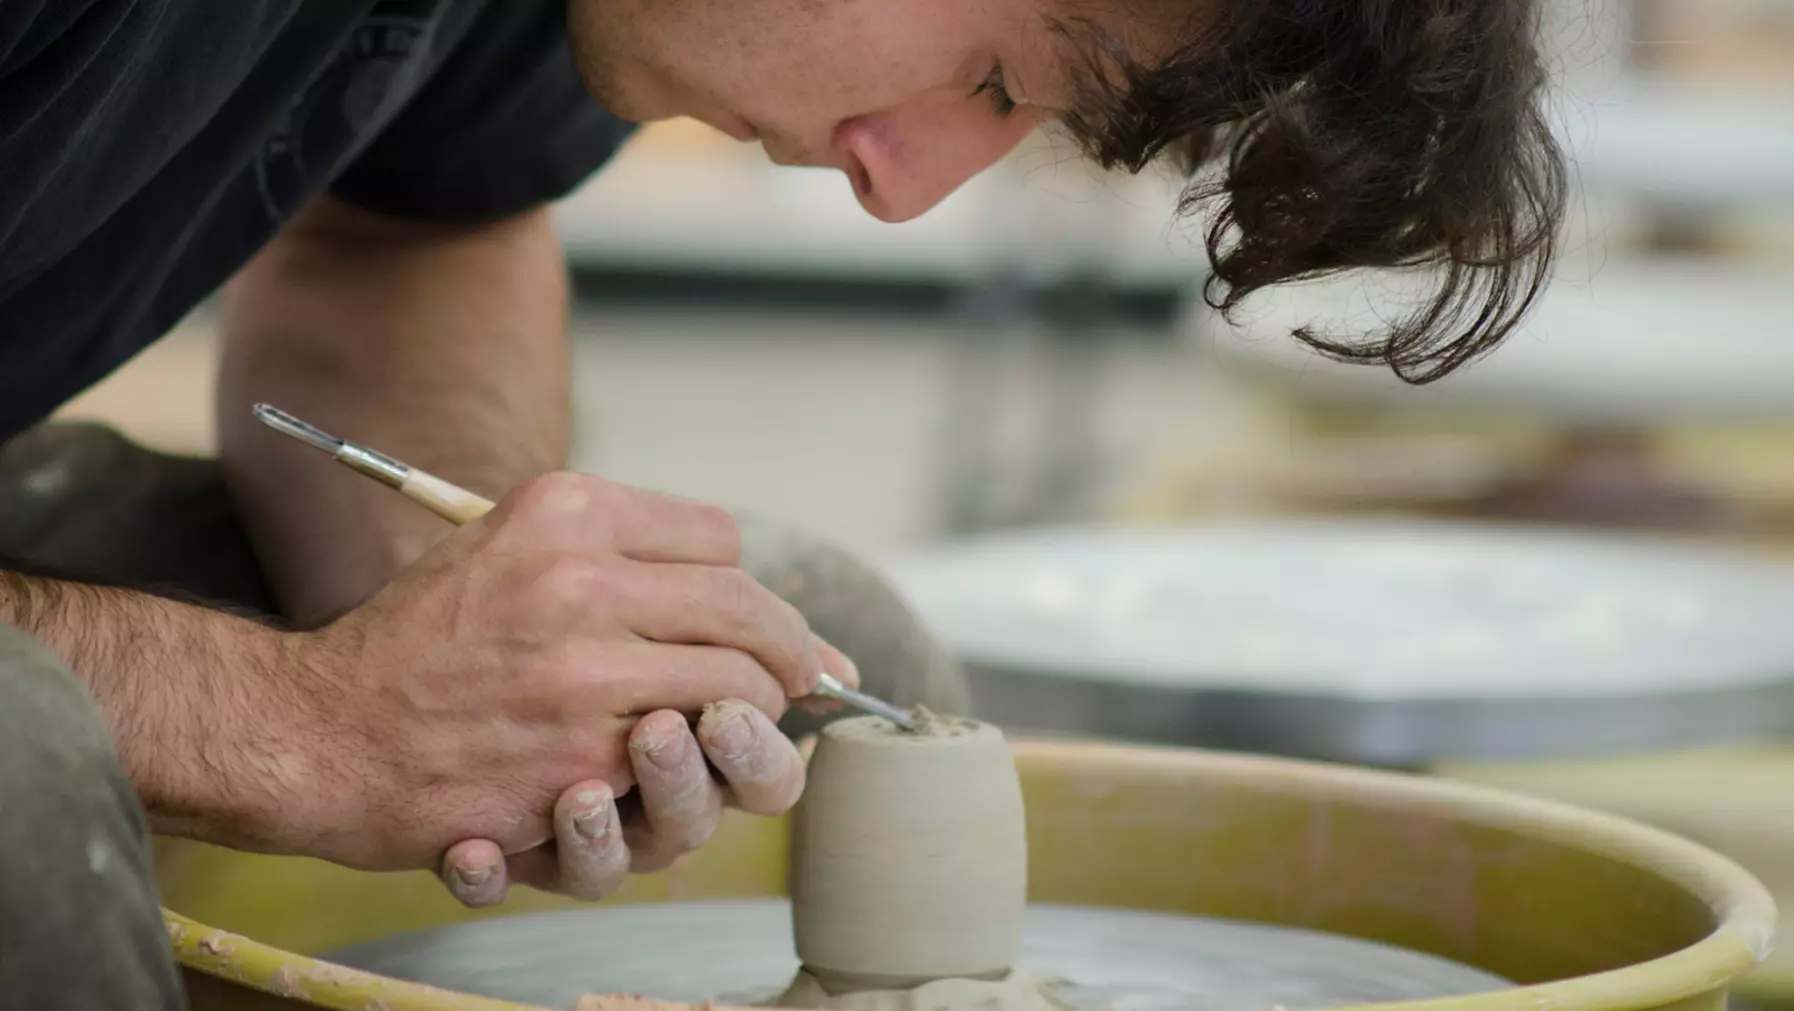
(458, 506)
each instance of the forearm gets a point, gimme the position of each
(443, 347)
(170, 679)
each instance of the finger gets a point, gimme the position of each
(681, 804)
(654, 527)
(651, 676)
(837, 663)
(760, 764)
(708, 605)
(842, 667)
(474, 871)
(590, 819)
(590, 858)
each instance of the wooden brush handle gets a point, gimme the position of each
(451, 502)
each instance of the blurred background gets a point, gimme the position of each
(1033, 355)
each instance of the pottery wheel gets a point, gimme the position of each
(740, 953)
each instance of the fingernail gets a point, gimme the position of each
(818, 654)
(732, 736)
(593, 823)
(473, 877)
(663, 752)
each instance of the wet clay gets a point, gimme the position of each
(909, 869)
(1019, 992)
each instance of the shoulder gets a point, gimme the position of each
(30, 29)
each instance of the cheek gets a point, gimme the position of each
(621, 54)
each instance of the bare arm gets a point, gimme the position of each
(383, 740)
(444, 346)
(179, 687)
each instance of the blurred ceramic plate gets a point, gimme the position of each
(1362, 609)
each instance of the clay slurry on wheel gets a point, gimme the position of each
(739, 953)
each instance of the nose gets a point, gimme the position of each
(904, 161)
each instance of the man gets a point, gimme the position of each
(309, 664)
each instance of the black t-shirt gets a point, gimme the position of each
(148, 148)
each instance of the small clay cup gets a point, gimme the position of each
(909, 856)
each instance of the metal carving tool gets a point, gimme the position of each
(458, 506)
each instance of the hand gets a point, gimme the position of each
(520, 655)
(680, 804)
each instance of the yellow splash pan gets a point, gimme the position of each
(1587, 912)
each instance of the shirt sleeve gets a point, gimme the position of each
(503, 124)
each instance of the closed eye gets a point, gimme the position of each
(997, 91)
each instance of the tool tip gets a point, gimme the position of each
(286, 424)
(828, 685)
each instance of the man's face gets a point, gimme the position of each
(909, 98)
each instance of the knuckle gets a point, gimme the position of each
(556, 497)
(740, 596)
(754, 606)
(720, 523)
(562, 582)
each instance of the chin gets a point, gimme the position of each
(626, 103)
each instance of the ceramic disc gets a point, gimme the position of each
(1366, 640)
(741, 953)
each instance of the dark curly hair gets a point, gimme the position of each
(1332, 134)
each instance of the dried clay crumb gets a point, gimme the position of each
(932, 724)
(1017, 992)
(286, 982)
(623, 1002)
